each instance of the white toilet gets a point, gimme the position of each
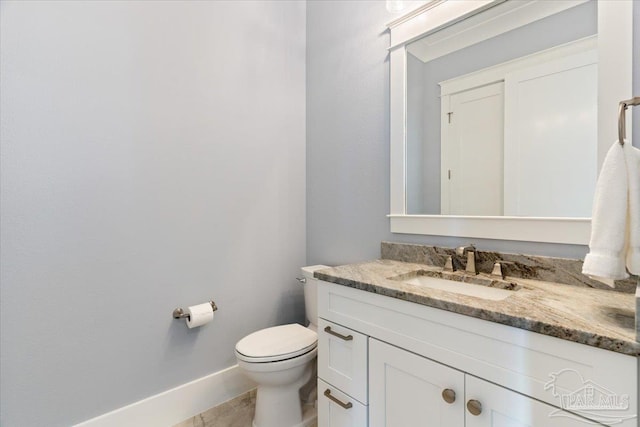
(281, 360)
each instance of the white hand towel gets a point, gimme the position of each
(614, 247)
(632, 156)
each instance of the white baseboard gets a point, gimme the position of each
(178, 404)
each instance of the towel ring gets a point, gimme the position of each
(622, 117)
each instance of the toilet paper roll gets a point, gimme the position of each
(199, 315)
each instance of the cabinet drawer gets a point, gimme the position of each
(336, 409)
(342, 359)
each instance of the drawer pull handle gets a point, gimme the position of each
(475, 407)
(335, 334)
(449, 395)
(327, 393)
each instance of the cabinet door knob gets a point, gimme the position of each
(335, 334)
(474, 407)
(347, 405)
(449, 395)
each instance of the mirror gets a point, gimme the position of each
(501, 114)
(508, 125)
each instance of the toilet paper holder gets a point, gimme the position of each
(179, 313)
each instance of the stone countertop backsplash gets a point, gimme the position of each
(557, 270)
(553, 298)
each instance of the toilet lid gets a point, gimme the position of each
(276, 343)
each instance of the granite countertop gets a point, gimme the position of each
(595, 317)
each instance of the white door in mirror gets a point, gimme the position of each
(472, 151)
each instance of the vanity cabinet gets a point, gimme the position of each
(409, 390)
(424, 365)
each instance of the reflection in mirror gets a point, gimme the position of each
(506, 126)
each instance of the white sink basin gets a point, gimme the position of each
(470, 289)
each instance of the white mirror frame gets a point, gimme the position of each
(615, 56)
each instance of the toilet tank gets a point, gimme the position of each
(311, 294)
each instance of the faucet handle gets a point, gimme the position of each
(448, 265)
(497, 270)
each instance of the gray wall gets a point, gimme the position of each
(347, 130)
(348, 138)
(152, 157)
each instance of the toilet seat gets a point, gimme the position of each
(276, 344)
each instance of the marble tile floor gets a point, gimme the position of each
(238, 412)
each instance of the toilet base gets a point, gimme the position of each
(309, 416)
(278, 406)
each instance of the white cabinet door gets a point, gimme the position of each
(500, 407)
(407, 390)
(336, 409)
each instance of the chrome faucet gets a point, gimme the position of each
(470, 250)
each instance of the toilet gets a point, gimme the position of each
(281, 360)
